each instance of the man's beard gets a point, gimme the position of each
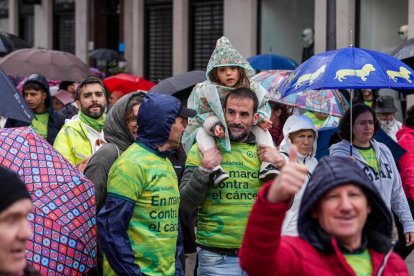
(94, 115)
(385, 124)
(238, 137)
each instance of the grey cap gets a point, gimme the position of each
(385, 104)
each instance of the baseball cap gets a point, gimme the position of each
(186, 112)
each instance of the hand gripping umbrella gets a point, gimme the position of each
(63, 219)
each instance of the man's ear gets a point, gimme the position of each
(256, 117)
(44, 95)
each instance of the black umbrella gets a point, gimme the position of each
(10, 43)
(178, 83)
(104, 54)
(12, 104)
(405, 50)
(405, 53)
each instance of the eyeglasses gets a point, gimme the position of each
(364, 123)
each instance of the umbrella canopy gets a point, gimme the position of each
(327, 101)
(104, 54)
(179, 82)
(54, 65)
(271, 81)
(349, 67)
(63, 219)
(12, 104)
(405, 50)
(329, 135)
(127, 83)
(272, 62)
(10, 42)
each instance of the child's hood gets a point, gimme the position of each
(226, 55)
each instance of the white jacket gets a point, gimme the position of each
(293, 124)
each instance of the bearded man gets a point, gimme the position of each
(82, 135)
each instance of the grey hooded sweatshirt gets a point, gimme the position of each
(388, 181)
(118, 138)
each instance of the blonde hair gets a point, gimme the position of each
(243, 81)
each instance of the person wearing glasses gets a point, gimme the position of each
(300, 131)
(120, 131)
(376, 160)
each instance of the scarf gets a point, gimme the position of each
(97, 124)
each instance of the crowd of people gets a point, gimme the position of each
(232, 177)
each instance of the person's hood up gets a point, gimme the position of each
(404, 130)
(40, 80)
(295, 123)
(115, 129)
(226, 55)
(331, 172)
(156, 116)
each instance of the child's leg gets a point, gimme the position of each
(263, 137)
(206, 142)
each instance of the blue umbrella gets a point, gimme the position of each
(272, 62)
(329, 135)
(349, 68)
(12, 104)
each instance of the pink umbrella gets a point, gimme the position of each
(64, 240)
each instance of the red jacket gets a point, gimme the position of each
(293, 255)
(405, 137)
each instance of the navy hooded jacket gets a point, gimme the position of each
(56, 120)
(155, 118)
(330, 173)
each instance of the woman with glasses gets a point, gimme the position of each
(376, 160)
(301, 132)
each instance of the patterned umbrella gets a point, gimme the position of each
(64, 240)
(328, 101)
(271, 80)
